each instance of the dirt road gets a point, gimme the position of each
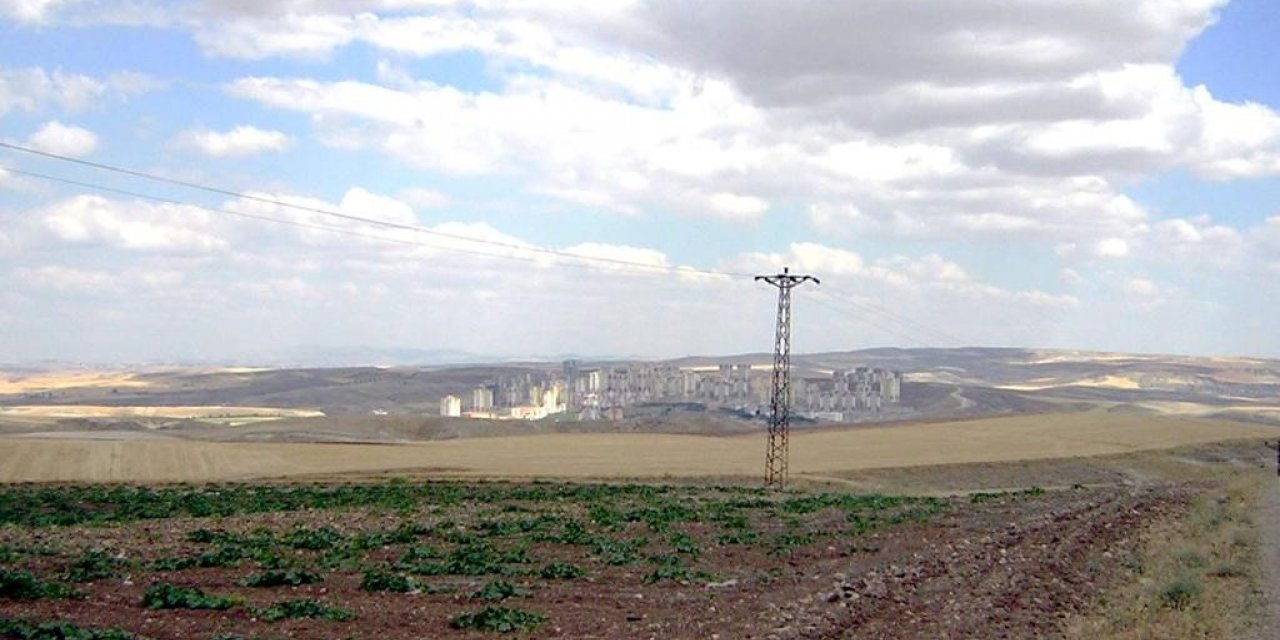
(1268, 623)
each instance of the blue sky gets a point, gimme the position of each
(1082, 175)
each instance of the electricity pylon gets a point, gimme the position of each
(775, 461)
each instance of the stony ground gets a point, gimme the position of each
(411, 560)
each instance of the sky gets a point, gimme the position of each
(534, 178)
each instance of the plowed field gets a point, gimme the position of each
(453, 560)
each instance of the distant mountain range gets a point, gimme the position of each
(323, 356)
(318, 356)
(326, 356)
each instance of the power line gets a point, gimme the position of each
(305, 225)
(650, 268)
(900, 325)
(859, 315)
(906, 320)
(904, 326)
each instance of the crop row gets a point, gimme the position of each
(43, 506)
(397, 537)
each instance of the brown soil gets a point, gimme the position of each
(1010, 566)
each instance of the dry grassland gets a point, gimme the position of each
(1196, 575)
(616, 455)
(70, 380)
(1100, 382)
(204, 411)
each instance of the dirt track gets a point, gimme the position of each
(617, 455)
(1269, 542)
(1022, 569)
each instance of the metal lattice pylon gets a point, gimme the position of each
(776, 456)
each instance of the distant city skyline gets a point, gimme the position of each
(583, 391)
(606, 177)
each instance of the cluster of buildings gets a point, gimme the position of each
(524, 397)
(605, 393)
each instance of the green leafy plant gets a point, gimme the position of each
(302, 608)
(476, 558)
(93, 565)
(416, 555)
(618, 552)
(224, 556)
(171, 564)
(737, 537)
(787, 542)
(499, 619)
(561, 571)
(314, 539)
(1180, 593)
(672, 573)
(204, 536)
(21, 630)
(24, 585)
(166, 596)
(671, 567)
(498, 590)
(380, 579)
(282, 578)
(684, 543)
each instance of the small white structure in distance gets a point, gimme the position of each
(451, 407)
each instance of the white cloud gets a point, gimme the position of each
(802, 258)
(138, 225)
(31, 11)
(67, 279)
(67, 140)
(586, 148)
(33, 89)
(292, 34)
(313, 223)
(896, 276)
(843, 53)
(425, 198)
(238, 141)
(1237, 140)
(403, 246)
(1141, 287)
(998, 127)
(1111, 248)
(75, 13)
(891, 123)
(294, 288)
(608, 254)
(1199, 238)
(366, 204)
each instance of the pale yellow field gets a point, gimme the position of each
(618, 455)
(207, 411)
(69, 380)
(1100, 382)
